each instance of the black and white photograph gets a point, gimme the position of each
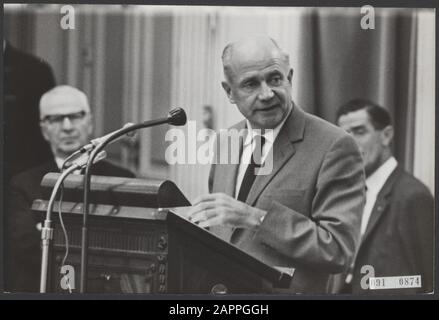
(218, 150)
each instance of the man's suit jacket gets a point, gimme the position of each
(26, 78)
(399, 237)
(314, 197)
(23, 254)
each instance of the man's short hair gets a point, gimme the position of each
(62, 90)
(379, 116)
(227, 54)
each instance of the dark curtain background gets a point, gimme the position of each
(346, 62)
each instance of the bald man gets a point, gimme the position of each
(304, 215)
(65, 122)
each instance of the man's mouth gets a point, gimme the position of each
(69, 140)
(269, 108)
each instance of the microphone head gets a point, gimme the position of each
(177, 117)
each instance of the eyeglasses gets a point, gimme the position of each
(59, 118)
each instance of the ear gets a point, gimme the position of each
(290, 76)
(90, 124)
(228, 91)
(387, 136)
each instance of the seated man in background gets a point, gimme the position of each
(397, 227)
(66, 125)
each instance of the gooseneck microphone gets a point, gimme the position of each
(95, 142)
(90, 146)
(176, 117)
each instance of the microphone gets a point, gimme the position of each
(177, 117)
(93, 143)
(97, 141)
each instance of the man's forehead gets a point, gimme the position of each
(245, 63)
(254, 50)
(355, 118)
(64, 103)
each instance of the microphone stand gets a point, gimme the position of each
(47, 231)
(87, 179)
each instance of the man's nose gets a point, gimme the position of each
(67, 124)
(266, 92)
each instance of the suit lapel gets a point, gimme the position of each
(49, 166)
(227, 173)
(381, 203)
(283, 149)
(225, 180)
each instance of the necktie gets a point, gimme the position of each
(229, 234)
(250, 175)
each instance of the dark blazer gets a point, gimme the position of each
(314, 197)
(23, 254)
(399, 237)
(26, 78)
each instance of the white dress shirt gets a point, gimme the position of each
(249, 145)
(59, 162)
(374, 184)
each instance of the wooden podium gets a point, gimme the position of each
(137, 244)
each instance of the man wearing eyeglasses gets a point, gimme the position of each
(66, 123)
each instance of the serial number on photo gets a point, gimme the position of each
(401, 282)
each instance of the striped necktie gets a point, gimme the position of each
(250, 175)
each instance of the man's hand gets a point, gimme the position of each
(220, 209)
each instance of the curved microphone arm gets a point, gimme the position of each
(69, 158)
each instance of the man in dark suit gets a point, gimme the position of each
(303, 213)
(66, 125)
(397, 228)
(26, 79)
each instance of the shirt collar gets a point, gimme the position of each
(269, 135)
(59, 161)
(377, 179)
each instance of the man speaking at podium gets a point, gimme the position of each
(305, 214)
(65, 122)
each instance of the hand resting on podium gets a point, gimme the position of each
(219, 209)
